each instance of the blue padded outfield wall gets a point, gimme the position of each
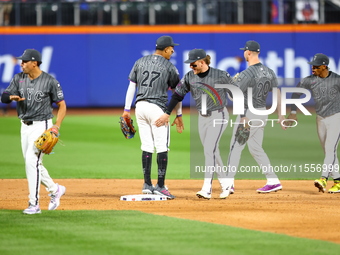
(93, 68)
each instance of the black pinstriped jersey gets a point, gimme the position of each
(154, 75)
(39, 95)
(261, 79)
(216, 97)
(325, 92)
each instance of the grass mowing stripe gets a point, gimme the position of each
(94, 147)
(132, 232)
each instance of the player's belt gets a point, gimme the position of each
(27, 122)
(210, 112)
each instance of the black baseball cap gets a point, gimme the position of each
(319, 59)
(195, 54)
(165, 41)
(252, 46)
(30, 55)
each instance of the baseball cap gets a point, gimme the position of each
(195, 54)
(30, 55)
(319, 59)
(252, 46)
(165, 41)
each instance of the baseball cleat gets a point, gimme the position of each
(270, 188)
(147, 189)
(203, 194)
(335, 188)
(321, 184)
(232, 190)
(55, 198)
(225, 193)
(163, 191)
(32, 209)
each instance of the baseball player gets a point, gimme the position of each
(262, 80)
(201, 80)
(152, 76)
(35, 91)
(325, 87)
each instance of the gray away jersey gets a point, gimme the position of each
(325, 92)
(39, 95)
(216, 97)
(261, 79)
(154, 75)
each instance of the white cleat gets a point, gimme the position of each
(55, 198)
(203, 194)
(225, 193)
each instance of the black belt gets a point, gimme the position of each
(27, 122)
(210, 112)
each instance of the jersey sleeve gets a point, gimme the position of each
(12, 89)
(183, 86)
(174, 77)
(243, 82)
(275, 82)
(304, 83)
(133, 73)
(57, 94)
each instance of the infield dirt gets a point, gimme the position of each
(298, 210)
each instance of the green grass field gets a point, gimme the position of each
(93, 147)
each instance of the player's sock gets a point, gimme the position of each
(146, 163)
(162, 161)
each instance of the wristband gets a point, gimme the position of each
(167, 112)
(127, 110)
(293, 112)
(179, 115)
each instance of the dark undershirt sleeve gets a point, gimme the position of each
(294, 96)
(5, 98)
(175, 99)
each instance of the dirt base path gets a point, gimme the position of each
(298, 210)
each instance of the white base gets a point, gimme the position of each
(146, 197)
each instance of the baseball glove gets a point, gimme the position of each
(46, 142)
(242, 134)
(126, 125)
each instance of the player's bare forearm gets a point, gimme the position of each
(61, 113)
(162, 120)
(282, 121)
(281, 118)
(16, 98)
(178, 121)
(126, 114)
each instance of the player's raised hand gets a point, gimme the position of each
(163, 120)
(178, 121)
(291, 120)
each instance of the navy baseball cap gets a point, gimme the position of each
(319, 59)
(165, 41)
(195, 54)
(252, 46)
(30, 55)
